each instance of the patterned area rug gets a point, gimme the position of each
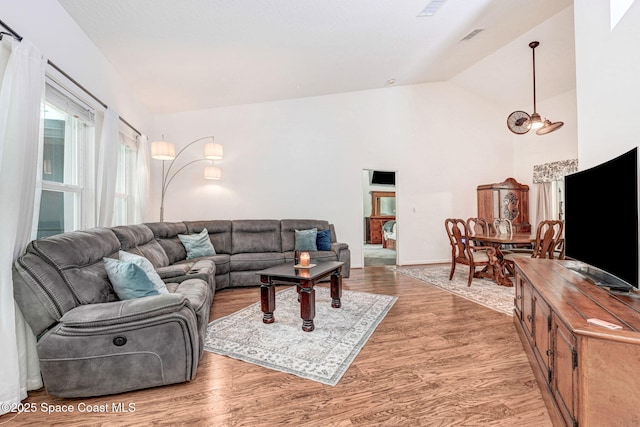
(482, 291)
(322, 355)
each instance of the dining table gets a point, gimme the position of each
(497, 266)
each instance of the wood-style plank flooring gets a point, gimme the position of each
(435, 360)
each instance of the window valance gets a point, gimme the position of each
(554, 171)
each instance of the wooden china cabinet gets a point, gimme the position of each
(508, 199)
(383, 209)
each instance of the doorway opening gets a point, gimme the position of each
(380, 238)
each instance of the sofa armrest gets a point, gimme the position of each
(344, 255)
(337, 247)
(204, 269)
(121, 312)
(171, 271)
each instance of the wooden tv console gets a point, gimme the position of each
(588, 375)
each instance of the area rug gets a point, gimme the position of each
(482, 291)
(322, 355)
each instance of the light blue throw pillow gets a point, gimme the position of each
(306, 240)
(147, 267)
(197, 245)
(128, 280)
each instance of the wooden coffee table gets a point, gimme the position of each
(305, 280)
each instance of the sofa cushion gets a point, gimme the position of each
(128, 280)
(166, 233)
(256, 261)
(197, 245)
(148, 269)
(255, 236)
(306, 240)
(139, 240)
(289, 226)
(77, 256)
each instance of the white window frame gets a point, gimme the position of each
(77, 186)
(125, 186)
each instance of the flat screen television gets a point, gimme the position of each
(383, 178)
(601, 220)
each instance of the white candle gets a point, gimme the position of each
(304, 259)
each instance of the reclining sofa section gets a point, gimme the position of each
(242, 247)
(90, 343)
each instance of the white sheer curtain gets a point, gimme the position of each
(107, 166)
(549, 181)
(545, 209)
(21, 94)
(143, 179)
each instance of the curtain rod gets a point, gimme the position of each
(58, 69)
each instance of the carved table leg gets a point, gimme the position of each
(268, 302)
(496, 259)
(307, 308)
(336, 288)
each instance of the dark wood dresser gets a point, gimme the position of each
(588, 375)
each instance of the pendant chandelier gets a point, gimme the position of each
(520, 122)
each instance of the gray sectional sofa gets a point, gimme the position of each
(90, 343)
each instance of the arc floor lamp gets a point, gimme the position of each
(165, 151)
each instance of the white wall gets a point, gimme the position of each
(303, 158)
(48, 26)
(556, 98)
(607, 82)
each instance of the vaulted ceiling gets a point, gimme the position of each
(194, 54)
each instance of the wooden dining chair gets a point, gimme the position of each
(463, 249)
(549, 244)
(478, 226)
(503, 226)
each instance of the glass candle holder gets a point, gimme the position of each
(305, 259)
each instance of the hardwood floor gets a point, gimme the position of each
(435, 360)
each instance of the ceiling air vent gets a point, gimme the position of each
(431, 8)
(472, 34)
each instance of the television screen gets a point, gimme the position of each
(601, 216)
(383, 178)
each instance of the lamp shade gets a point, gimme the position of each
(212, 172)
(549, 127)
(163, 150)
(536, 121)
(213, 151)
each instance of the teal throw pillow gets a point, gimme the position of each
(147, 267)
(306, 240)
(197, 245)
(128, 280)
(323, 241)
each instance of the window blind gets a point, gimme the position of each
(68, 102)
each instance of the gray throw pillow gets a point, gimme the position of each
(306, 240)
(197, 245)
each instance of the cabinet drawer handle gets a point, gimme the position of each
(519, 297)
(530, 318)
(549, 353)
